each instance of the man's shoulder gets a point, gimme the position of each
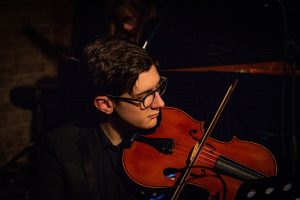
(68, 135)
(64, 130)
(70, 131)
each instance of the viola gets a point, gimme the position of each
(157, 160)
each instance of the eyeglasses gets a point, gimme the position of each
(148, 99)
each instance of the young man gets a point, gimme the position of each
(83, 163)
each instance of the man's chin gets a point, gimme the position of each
(150, 124)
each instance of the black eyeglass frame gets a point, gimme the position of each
(118, 98)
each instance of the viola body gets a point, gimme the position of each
(158, 159)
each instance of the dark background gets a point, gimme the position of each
(203, 33)
(220, 32)
(208, 32)
(262, 108)
(199, 33)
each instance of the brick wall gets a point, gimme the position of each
(24, 60)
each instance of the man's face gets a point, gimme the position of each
(133, 113)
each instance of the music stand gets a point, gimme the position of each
(271, 188)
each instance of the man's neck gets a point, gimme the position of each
(111, 133)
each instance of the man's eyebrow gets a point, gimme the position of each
(143, 93)
(147, 91)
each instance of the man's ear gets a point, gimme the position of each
(104, 104)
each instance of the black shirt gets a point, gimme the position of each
(112, 183)
(66, 167)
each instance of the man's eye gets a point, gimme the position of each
(140, 96)
(143, 96)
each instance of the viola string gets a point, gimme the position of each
(215, 154)
(181, 148)
(238, 165)
(208, 163)
(180, 154)
(208, 153)
(211, 163)
(184, 147)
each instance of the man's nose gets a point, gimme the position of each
(158, 102)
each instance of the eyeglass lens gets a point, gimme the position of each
(148, 100)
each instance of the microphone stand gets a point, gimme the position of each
(157, 26)
(146, 43)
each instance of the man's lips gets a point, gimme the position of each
(153, 116)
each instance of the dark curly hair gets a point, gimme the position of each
(115, 64)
